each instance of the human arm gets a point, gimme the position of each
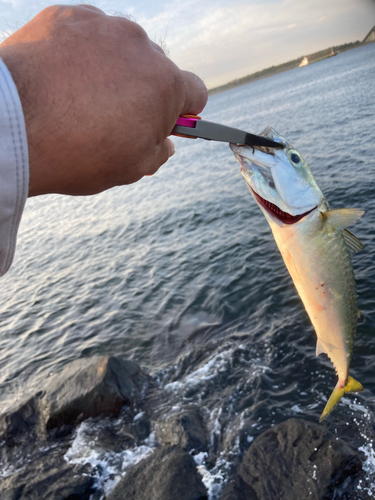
(99, 98)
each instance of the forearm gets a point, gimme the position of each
(14, 167)
(97, 100)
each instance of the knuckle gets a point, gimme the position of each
(90, 7)
(70, 11)
(137, 31)
(126, 29)
(158, 48)
(52, 10)
(58, 12)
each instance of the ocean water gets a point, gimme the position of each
(180, 272)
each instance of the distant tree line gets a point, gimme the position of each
(274, 70)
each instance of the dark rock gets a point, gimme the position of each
(116, 442)
(48, 477)
(85, 388)
(184, 429)
(141, 427)
(168, 474)
(92, 387)
(293, 460)
(20, 421)
(236, 489)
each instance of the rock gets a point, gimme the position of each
(293, 460)
(106, 437)
(141, 426)
(168, 474)
(91, 387)
(184, 429)
(48, 477)
(20, 422)
(236, 489)
(85, 388)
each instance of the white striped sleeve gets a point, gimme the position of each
(14, 167)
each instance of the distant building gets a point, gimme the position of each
(317, 56)
(370, 37)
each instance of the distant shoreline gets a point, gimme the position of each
(295, 63)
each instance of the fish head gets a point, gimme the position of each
(279, 180)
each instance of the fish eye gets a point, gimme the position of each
(295, 157)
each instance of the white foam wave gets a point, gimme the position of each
(369, 467)
(213, 479)
(219, 362)
(363, 421)
(108, 467)
(216, 365)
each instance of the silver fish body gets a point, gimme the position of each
(315, 247)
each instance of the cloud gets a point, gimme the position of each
(223, 40)
(227, 41)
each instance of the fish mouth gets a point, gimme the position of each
(275, 211)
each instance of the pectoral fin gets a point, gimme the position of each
(353, 243)
(351, 386)
(342, 217)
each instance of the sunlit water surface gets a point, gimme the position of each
(181, 273)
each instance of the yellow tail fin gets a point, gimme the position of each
(351, 386)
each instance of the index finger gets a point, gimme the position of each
(196, 94)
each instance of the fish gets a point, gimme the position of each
(315, 245)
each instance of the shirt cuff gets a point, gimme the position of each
(14, 167)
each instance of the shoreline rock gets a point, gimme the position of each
(170, 473)
(48, 477)
(185, 429)
(92, 387)
(86, 388)
(292, 460)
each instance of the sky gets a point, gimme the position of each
(222, 40)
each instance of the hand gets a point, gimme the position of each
(99, 99)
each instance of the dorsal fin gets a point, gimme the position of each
(352, 242)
